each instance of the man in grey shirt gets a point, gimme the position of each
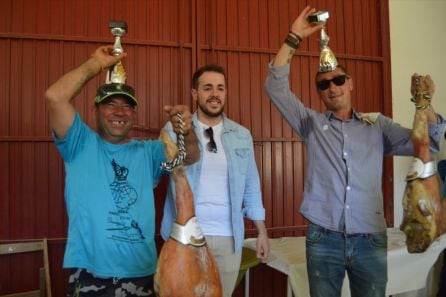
(343, 197)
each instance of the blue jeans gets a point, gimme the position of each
(330, 254)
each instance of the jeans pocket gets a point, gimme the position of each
(314, 233)
(378, 240)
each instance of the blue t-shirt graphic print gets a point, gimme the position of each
(122, 225)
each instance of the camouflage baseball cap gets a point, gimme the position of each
(112, 89)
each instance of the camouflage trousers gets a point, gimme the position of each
(81, 283)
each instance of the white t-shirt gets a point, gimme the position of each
(213, 205)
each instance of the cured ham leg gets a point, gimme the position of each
(185, 270)
(424, 216)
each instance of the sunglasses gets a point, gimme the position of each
(337, 80)
(211, 145)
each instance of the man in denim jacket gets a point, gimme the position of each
(225, 181)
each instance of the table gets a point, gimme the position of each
(406, 272)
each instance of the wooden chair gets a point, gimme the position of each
(44, 277)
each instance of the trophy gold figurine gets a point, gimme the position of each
(327, 59)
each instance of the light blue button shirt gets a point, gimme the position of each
(344, 159)
(244, 181)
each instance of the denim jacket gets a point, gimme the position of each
(244, 181)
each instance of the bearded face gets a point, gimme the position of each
(210, 95)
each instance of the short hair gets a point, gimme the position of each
(343, 68)
(207, 68)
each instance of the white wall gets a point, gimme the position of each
(418, 44)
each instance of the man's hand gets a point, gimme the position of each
(302, 27)
(172, 111)
(422, 89)
(262, 247)
(424, 83)
(262, 242)
(190, 139)
(105, 58)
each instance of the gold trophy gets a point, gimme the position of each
(115, 79)
(327, 59)
(116, 73)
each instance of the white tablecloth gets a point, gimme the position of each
(406, 272)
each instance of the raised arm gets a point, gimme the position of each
(60, 94)
(300, 29)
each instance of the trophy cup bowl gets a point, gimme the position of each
(118, 29)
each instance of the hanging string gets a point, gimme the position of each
(178, 160)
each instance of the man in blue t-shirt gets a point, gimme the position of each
(109, 183)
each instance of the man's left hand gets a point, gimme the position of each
(172, 111)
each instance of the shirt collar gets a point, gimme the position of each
(330, 115)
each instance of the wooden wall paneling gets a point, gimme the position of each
(338, 21)
(245, 99)
(256, 87)
(349, 29)
(166, 96)
(6, 13)
(273, 30)
(367, 29)
(40, 192)
(267, 188)
(16, 16)
(15, 175)
(57, 221)
(265, 105)
(299, 162)
(289, 212)
(41, 125)
(5, 215)
(253, 25)
(141, 83)
(26, 198)
(59, 276)
(15, 87)
(358, 21)
(360, 96)
(233, 92)
(54, 17)
(27, 96)
(313, 67)
(5, 66)
(185, 60)
(277, 186)
(154, 86)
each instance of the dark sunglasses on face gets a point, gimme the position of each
(211, 145)
(337, 80)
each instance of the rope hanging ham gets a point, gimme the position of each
(178, 160)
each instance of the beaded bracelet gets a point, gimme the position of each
(292, 40)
